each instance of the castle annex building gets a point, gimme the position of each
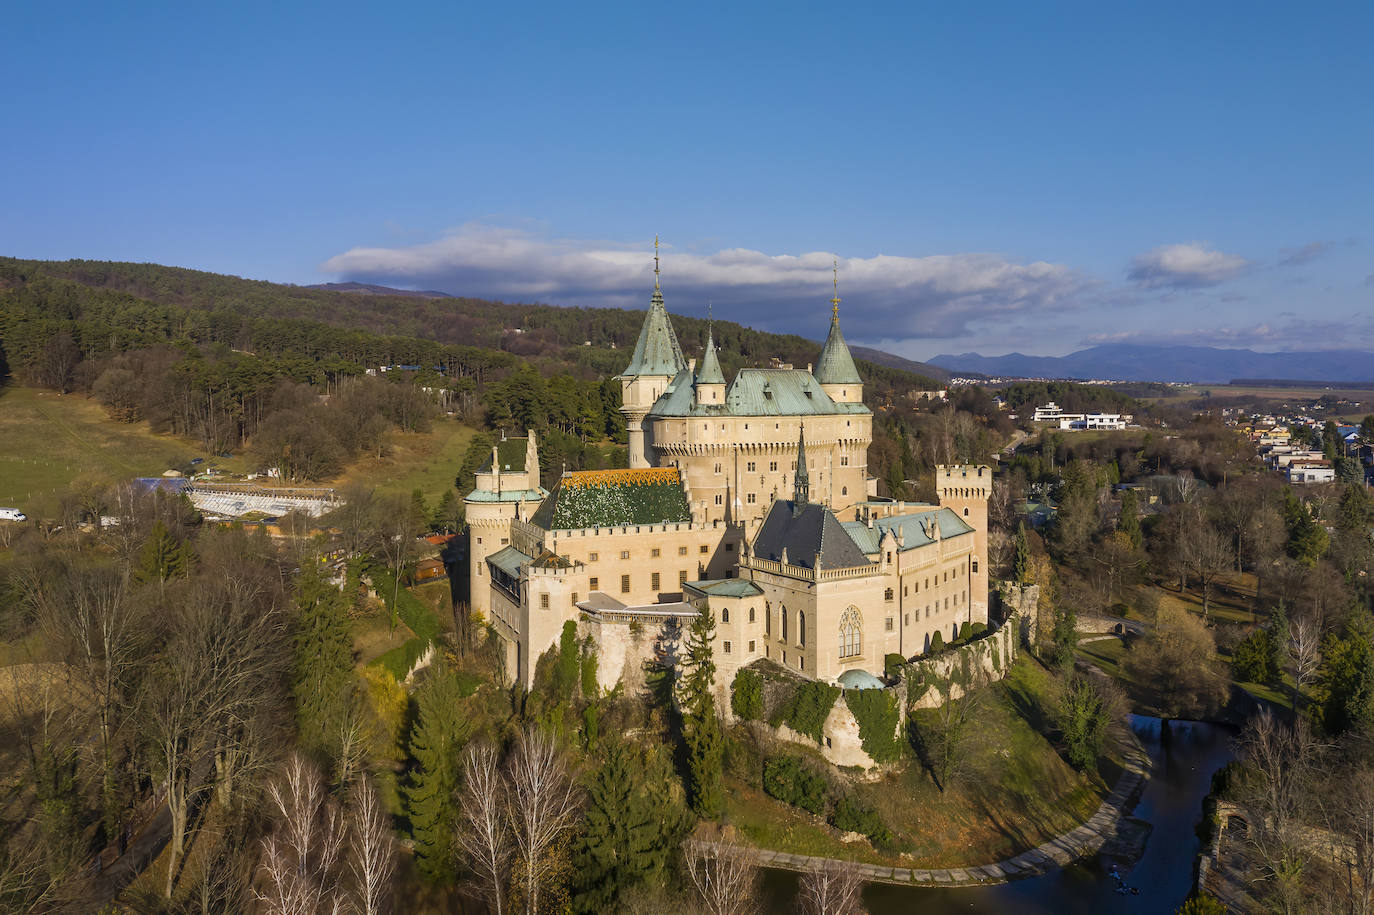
(749, 499)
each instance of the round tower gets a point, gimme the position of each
(656, 361)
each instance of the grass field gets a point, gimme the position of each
(425, 461)
(48, 440)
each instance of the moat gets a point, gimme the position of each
(1180, 777)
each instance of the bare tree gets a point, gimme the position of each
(834, 888)
(1204, 553)
(300, 858)
(374, 857)
(542, 806)
(398, 526)
(725, 876)
(1352, 818)
(1304, 653)
(485, 835)
(1283, 761)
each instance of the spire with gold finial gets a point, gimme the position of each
(835, 301)
(802, 491)
(655, 260)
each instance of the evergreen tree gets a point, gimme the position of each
(1346, 677)
(419, 508)
(323, 680)
(1307, 540)
(430, 797)
(1021, 564)
(700, 723)
(163, 557)
(630, 829)
(448, 515)
(1130, 517)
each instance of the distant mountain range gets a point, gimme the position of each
(373, 289)
(879, 357)
(1195, 364)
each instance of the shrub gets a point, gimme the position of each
(876, 712)
(853, 815)
(965, 630)
(746, 695)
(1252, 660)
(979, 628)
(807, 708)
(892, 665)
(791, 781)
(937, 643)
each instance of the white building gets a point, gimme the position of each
(1052, 413)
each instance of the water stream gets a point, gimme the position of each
(1180, 777)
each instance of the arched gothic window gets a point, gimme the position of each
(784, 624)
(767, 618)
(725, 614)
(975, 567)
(851, 633)
(801, 627)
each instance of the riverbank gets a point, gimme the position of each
(1110, 824)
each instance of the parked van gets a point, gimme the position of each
(12, 514)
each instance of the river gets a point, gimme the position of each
(1180, 777)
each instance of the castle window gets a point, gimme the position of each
(889, 559)
(767, 620)
(717, 468)
(682, 577)
(801, 662)
(751, 614)
(773, 465)
(727, 647)
(594, 583)
(593, 557)
(624, 554)
(574, 598)
(725, 614)
(851, 633)
(543, 602)
(801, 627)
(479, 539)
(906, 590)
(975, 567)
(505, 540)
(889, 625)
(844, 490)
(718, 498)
(704, 549)
(750, 498)
(906, 618)
(751, 646)
(653, 581)
(624, 584)
(749, 467)
(844, 460)
(887, 595)
(682, 551)
(655, 553)
(966, 513)
(784, 624)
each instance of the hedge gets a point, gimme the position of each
(852, 815)
(746, 695)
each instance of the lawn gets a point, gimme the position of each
(1014, 793)
(48, 440)
(427, 461)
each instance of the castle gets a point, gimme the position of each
(750, 499)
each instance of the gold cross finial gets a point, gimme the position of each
(655, 260)
(835, 302)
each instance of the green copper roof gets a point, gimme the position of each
(836, 366)
(725, 587)
(709, 371)
(756, 392)
(657, 352)
(869, 538)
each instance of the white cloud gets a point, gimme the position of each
(884, 295)
(1184, 266)
(1341, 332)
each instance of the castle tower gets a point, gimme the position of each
(835, 368)
(966, 488)
(657, 359)
(506, 488)
(710, 381)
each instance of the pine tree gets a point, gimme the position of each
(1130, 517)
(630, 828)
(1021, 563)
(323, 681)
(700, 723)
(440, 731)
(448, 515)
(418, 507)
(163, 557)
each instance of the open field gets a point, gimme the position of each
(426, 461)
(1362, 399)
(49, 440)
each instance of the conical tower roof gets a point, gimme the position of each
(835, 365)
(709, 371)
(657, 352)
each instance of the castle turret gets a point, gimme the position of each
(835, 368)
(656, 361)
(802, 494)
(710, 380)
(966, 488)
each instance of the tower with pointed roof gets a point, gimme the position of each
(802, 494)
(835, 370)
(656, 361)
(709, 383)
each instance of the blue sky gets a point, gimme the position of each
(990, 177)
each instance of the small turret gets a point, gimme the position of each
(835, 368)
(710, 380)
(802, 495)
